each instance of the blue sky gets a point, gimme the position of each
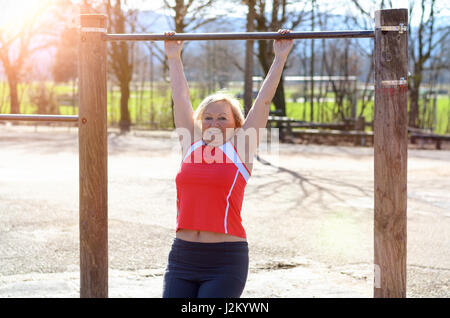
(336, 6)
(14, 11)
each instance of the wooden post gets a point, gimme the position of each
(390, 153)
(92, 141)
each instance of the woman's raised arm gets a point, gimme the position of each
(259, 113)
(182, 107)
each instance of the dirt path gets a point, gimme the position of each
(308, 213)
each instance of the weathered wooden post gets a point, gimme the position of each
(93, 154)
(390, 152)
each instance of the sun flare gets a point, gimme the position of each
(15, 14)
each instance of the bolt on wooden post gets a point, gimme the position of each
(390, 152)
(92, 143)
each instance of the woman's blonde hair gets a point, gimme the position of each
(218, 97)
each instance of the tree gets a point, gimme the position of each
(212, 62)
(278, 18)
(423, 44)
(313, 6)
(189, 15)
(44, 99)
(342, 61)
(65, 67)
(425, 41)
(248, 73)
(66, 57)
(17, 47)
(121, 57)
(120, 54)
(345, 58)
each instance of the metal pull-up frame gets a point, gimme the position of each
(241, 36)
(390, 142)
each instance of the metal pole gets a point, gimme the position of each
(45, 118)
(240, 36)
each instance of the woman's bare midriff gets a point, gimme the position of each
(206, 237)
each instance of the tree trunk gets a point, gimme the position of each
(248, 81)
(14, 99)
(121, 64)
(265, 57)
(124, 123)
(414, 105)
(279, 100)
(312, 68)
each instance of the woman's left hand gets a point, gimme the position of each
(282, 47)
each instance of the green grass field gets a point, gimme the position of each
(153, 110)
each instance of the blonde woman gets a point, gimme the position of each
(209, 256)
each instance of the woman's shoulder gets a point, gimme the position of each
(188, 138)
(244, 152)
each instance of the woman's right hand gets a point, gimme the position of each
(282, 47)
(172, 47)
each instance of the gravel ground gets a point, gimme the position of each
(308, 213)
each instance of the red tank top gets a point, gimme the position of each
(210, 189)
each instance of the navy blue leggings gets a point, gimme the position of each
(204, 270)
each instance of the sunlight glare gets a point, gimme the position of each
(16, 13)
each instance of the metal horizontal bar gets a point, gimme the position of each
(314, 78)
(240, 36)
(57, 118)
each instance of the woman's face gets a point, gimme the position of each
(217, 117)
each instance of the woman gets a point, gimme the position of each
(209, 256)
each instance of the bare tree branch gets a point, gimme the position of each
(358, 6)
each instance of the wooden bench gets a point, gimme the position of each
(422, 136)
(287, 132)
(359, 137)
(286, 126)
(289, 123)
